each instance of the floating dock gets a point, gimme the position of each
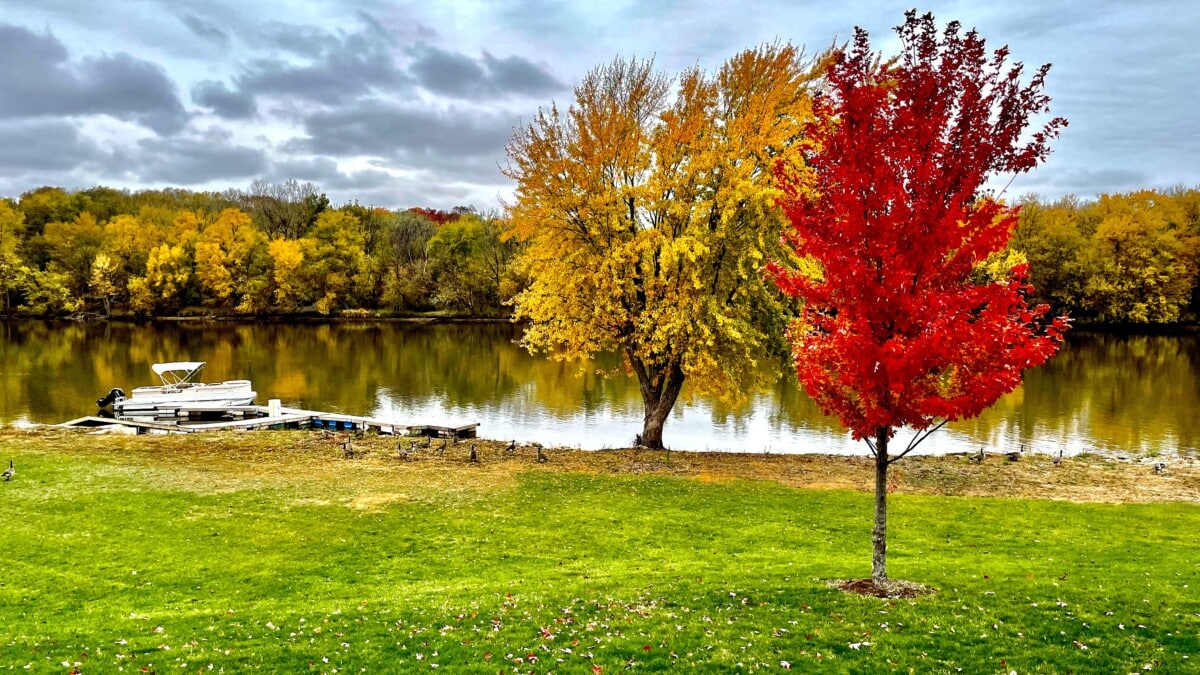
(187, 419)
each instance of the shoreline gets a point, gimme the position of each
(366, 316)
(292, 456)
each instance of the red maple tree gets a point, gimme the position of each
(901, 325)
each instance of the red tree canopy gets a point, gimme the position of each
(901, 325)
(437, 215)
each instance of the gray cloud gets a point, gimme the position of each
(39, 80)
(205, 30)
(195, 160)
(339, 68)
(1054, 181)
(519, 75)
(225, 103)
(308, 41)
(41, 147)
(335, 79)
(450, 73)
(460, 76)
(388, 130)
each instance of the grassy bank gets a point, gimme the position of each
(270, 551)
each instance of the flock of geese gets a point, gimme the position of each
(410, 450)
(1014, 456)
(1160, 468)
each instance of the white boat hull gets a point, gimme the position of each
(188, 394)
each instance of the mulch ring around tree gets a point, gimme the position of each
(892, 588)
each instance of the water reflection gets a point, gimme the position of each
(1131, 393)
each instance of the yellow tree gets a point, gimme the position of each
(12, 226)
(647, 214)
(335, 262)
(128, 242)
(72, 245)
(287, 255)
(224, 255)
(212, 272)
(100, 283)
(168, 271)
(1142, 262)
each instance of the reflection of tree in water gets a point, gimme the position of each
(1103, 392)
(1100, 391)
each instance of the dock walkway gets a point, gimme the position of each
(186, 420)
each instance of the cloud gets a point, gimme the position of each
(196, 160)
(338, 68)
(519, 75)
(39, 80)
(205, 30)
(1055, 181)
(222, 101)
(44, 147)
(307, 41)
(325, 173)
(380, 129)
(460, 76)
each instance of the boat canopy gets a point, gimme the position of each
(177, 372)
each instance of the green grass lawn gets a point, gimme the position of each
(132, 563)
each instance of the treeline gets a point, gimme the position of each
(1121, 259)
(275, 249)
(282, 249)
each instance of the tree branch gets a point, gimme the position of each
(916, 440)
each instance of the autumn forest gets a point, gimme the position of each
(283, 249)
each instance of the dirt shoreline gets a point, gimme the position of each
(293, 456)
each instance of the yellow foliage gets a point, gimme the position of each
(287, 255)
(141, 297)
(648, 216)
(212, 272)
(168, 270)
(998, 266)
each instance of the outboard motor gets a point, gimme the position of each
(110, 397)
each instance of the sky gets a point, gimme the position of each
(399, 104)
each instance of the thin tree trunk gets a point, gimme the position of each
(660, 389)
(879, 533)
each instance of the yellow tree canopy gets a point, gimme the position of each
(648, 211)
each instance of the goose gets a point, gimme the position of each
(1159, 468)
(542, 458)
(978, 459)
(425, 442)
(10, 471)
(348, 449)
(441, 449)
(511, 447)
(1058, 460)
(474, 457)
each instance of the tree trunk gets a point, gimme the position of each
(879, 533)
(660, 389)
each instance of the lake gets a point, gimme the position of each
(1101, 392)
